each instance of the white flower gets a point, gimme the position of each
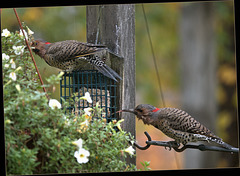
(21, 34)
(6, 33)
(78, 143)
(87, 97)
(132, 142)
(5, 57)
(13, 76)
(130, 150)
(88, 111)
(97, 104)
(18, 50)
(29, 31)
(8, 121)
(82, 155)
(13, 65)
(85, 123)
(53, 103)
(19, 68)
(67, 122)
(6, 65)
(118, 124)
(60, 74)
(18, 87)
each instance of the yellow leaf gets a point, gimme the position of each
(227, 74)
(224, 120)
(32, 14)
(221, 95)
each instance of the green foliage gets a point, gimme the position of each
(51, 24)
(145, 165)
(39, 136)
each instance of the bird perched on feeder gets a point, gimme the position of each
(176, 124)
(72, 55)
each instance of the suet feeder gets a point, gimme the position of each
(101, 88)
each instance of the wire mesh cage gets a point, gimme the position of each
(101, 88)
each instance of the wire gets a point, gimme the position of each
(156, 69)
(153, 56)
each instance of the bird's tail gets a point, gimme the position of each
(220, 142)
(213, 139)
(224, 144)
(107, 71)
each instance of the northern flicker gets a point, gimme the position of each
(72, 55)
(176, 124)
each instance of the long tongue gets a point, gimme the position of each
(155, 110)
(47, 43)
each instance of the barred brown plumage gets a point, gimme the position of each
(72, 55)
(176, 124)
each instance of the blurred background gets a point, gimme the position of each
(194, 44)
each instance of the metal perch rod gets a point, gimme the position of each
(172, 144)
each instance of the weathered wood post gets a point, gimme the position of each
(114, 26)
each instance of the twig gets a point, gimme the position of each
(19, 22)
(172, 144)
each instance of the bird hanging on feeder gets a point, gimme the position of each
(176, 124)
(72, 55)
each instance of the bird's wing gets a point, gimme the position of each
(107, 71)
(72, 48)
(99, 46)
(95, 45)
(181, 120)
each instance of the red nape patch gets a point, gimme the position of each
(47, 43)
(155, 110)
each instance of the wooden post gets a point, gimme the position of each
(198, 66)
(114, 26)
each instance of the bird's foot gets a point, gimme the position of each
(172, 144)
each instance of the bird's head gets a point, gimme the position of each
(143, 112)
(39, 47)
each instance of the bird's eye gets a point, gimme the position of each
(140, 110)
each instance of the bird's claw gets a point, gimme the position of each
(172, 144)
(170, 148)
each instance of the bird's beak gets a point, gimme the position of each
(127, 110)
